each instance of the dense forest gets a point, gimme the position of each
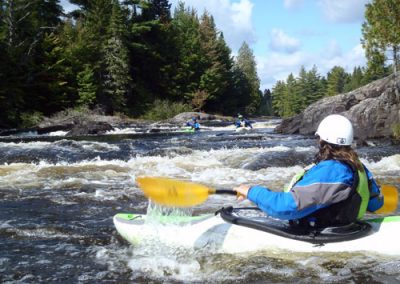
(138, 58)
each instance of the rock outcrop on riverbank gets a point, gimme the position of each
(81, 123)
(373, 109)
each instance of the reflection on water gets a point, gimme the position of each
(58, 196)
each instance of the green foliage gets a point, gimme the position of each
(245, 62)
(117, 79)
(266, 103)
(30, 119)
(279, 101)
(164, 109)
(396, 131)
(121, 55)
(356, 80)
(199, 100)
(294, 95)
(86, 87)
(381, 32)
(337, 78)
(128, 55)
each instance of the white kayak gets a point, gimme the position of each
(213, 232)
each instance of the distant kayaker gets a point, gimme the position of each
(337, 190)
(193, 124)
(242, 122)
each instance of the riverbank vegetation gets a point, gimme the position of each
(140, 59)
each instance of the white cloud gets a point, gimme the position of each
(282, 42)
(348, 60)
(292, 4)
(231, 17)
(332, 50)
(345, 11)
(277, 66)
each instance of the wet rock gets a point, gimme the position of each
(373, 109)
(90, 128)
(202, 117)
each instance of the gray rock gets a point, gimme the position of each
(90, 128)
(373, 109)
(202, 117)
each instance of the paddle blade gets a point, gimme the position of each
(391, 198)
(172, 192)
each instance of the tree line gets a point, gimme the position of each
(129, 57)
(139, 58)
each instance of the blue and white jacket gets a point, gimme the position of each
(326, 183)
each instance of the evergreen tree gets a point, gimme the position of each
(337, 78)
(381, 29)
(278, 98)
(157, 10)
(316, 87)
(375, 66)
(245, 61)
(117, 77)
(216, 61)
(290, 97)
(356, 80)
(266, 103)
(23, 29)
(86, 86)
(152, 54)
(237, 96)
(303, 90)
(190, 58)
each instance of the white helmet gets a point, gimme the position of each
(336, 129)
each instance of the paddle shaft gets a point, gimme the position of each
(224, 191)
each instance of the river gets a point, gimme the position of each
(58, 196)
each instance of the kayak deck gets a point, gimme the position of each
(284, 229)
(214, 233)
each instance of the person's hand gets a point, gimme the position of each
(242, 191)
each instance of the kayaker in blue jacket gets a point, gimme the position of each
(337, 190)
(242, 122)
(193, 124)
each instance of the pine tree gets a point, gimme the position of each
(216, 60)
(157, 10)
(337, 79)
(24, 25)
(86, 86)
(290, 97)
(381, 30)
(152, 54)
(355, 81)
(266, 103)
(316, 86)
(303, 89)
(116, 77)
(189, 58)
(376, 68)
(279, 99)
(245, 61)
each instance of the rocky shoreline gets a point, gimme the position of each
(80, 124)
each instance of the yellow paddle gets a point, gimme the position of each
(177, 193)
(391, 199)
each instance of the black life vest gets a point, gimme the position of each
(342, 213)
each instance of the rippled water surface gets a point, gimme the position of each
(58, 196)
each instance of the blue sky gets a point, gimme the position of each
(286, 34)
